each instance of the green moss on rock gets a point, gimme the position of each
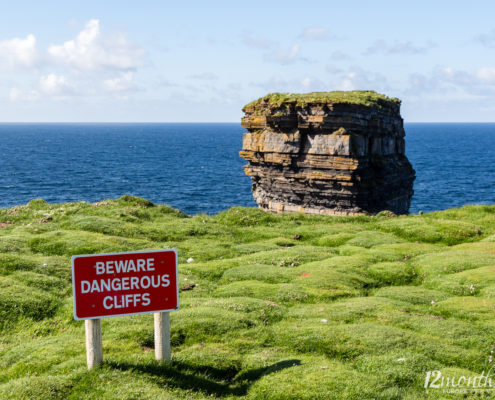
(368, 98)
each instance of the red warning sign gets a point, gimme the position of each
(110, 285)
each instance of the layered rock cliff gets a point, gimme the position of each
(336, 153)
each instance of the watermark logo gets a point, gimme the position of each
(460, 384)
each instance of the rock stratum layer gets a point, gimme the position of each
(335, 153)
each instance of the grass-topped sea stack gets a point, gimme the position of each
(337, 153)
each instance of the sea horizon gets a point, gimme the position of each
(195, 167)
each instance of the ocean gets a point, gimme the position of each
(195, 167)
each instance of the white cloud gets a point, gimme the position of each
(98, 64)
(422, 84)
(382, 47)
(55, 85)
(314, 33)
(348, 82)
(360, 79)
(51, 85)
(333, 69)
(256, 41)
(313, 85)
(120, 84)
(487, 74)
(453, 84)
(16, 94)
(274, 84)
(279, 84)
(338, 55)
(91, 51)
(284, 56)
(19, 52)
(272, 51)
(204, 76)
(487, 39)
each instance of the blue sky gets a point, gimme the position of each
(198, 61)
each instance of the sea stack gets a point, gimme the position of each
(334, 153)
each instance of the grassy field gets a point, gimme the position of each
(285, 307)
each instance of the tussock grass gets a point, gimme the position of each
(285, 307)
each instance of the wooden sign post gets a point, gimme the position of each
(162, 336)
(112, 285)
(94, 347)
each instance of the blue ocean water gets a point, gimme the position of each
(454, 163)
(196, 167)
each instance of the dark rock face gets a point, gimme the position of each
(327, 157)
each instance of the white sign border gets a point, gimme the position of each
(125, 252)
